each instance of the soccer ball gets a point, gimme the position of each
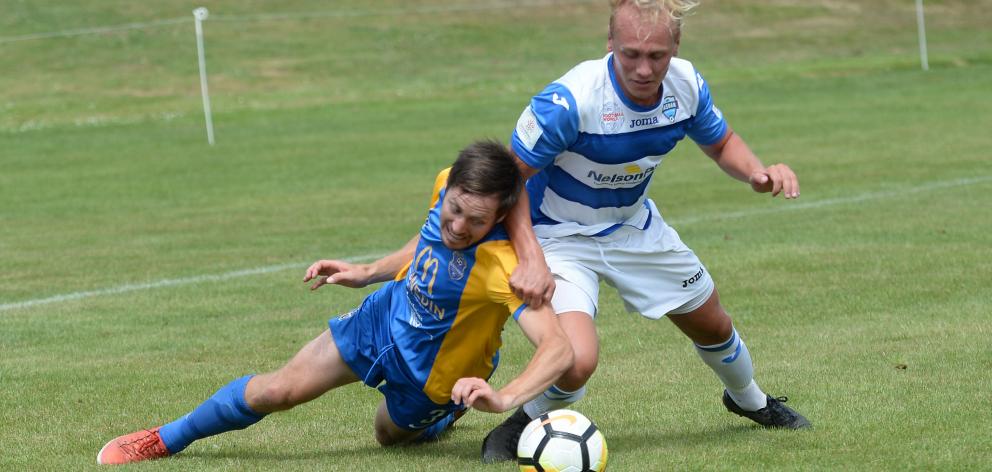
(561, 441)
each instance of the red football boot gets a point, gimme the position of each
(138, 446)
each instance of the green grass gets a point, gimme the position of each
(866, 301)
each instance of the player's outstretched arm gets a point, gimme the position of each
(359, 275)
(552, 358)
(734, 156)
(531, 281)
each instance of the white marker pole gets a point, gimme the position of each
(922, 31)
(199, 15)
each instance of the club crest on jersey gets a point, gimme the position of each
(457, 266)
(612, 116)
(669, 107)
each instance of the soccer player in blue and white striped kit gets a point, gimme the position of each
(590, 144)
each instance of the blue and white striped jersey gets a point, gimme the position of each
(597, 150)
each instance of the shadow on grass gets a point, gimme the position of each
(467, 446)
(628, 442)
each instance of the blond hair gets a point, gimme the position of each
(676, 9)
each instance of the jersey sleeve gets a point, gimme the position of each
(547, 127)
(496, 261)
(707, 125)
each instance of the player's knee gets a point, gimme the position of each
(706, 326)
(723, 328)
(382, 437)
(385, 437)
(577, 376)
(274, 396)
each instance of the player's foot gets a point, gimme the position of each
(138, 446)
(501, 443)
(773, 415)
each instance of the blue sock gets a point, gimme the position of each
(433, 432)
(226, 410)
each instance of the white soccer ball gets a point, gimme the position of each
(561, 441)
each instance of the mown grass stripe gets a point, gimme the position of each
(428, 9)
(683, 221)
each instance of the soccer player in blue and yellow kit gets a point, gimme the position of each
(428, 338)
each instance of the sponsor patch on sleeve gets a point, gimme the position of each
(528, 129)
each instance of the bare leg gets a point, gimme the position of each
(317, 368)
(722, 349)
(501, 443)
(585, 344)
(388, 433)
(706, 325)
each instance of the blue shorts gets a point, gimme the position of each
(362, 336)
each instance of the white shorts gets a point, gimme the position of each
(654, 272)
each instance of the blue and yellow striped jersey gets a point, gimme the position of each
(447, 318)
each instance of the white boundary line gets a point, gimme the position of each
(169, 283)
(795, 206)
(792, 206)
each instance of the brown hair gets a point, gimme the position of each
(486, 168)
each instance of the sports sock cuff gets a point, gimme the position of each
(240, 401)
(552, 399)
(721, 346)
(557, 392)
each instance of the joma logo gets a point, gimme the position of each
(693, 279)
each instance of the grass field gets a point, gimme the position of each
(140, 269)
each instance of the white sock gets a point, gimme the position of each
(731, 362)
(553, 398)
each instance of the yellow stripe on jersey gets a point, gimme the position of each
(439, 183)
(474, 337)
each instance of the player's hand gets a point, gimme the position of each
(475, 393)
(533, 283)
(777, 178)
(337, 273)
